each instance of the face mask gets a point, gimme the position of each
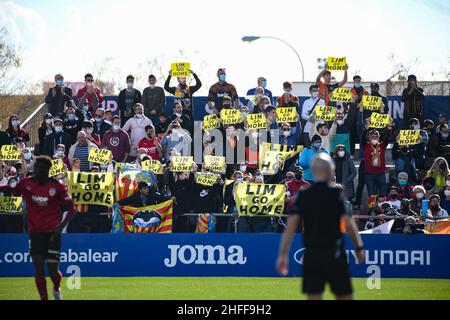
(139, 115)
(374, 142)
(315, 94)
(174, 131)
(13, 184)
(89, 130)
(58, 128)
(71, 116)
(222, 77)
(357, 85)
(116, 127)
(130, 85)
(48, 121)
(264, 84)
(178, 114)
(244, 114)
(98, 120)
(340, 122)
(15, 123)
(89, 84)
(239, 180)
(243, 168)
(341, 154)
(27, 156)
(142, 156)
(415, 127)
(60, 153)
(444, 135)
(60, 83)
(287, 133)
(403, 182)
(447, 183)
(287, 91)
(86, 108)
(152, 86)
(420, 195)
(317, 145)
(447, 193)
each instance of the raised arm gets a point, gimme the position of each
(344, 81)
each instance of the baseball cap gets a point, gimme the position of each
(374, 85)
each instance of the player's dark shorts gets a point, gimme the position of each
(42, 244)
(321, 267)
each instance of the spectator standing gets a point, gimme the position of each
(308, 113)
(80, 151)
(175, 138)
(308, 155)
(287, 99)
(182, 118)
(136, 128)
(117, 140)
(153, 99)
(221, 89)
(345, 170)
(262, 82)
(128, 98)
(57, 137)
(89, 92)
(4, 137)
(15, 131)
(73, 122)
(412, 97)
(326, 87)
(100, 125)
(151, 143)
(45, 129)
(57, 96)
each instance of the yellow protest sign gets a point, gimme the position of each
(271, 162)
(210, 122)
(56, 168)
(10, 153)
(409, 137)
(286, 151)
(325, 113)
(257, 121)
(119, 166)
(379, 121)
(342, 95)
(181, 164)
(180, 69)
(260, 199)
(336, 63)
(10, 204)
(287, 114)
(152, 165)
(206, 179)
(230, 116)
(91, 188)
(372, 103)
(215, 163)
(102, 156)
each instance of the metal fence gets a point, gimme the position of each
(35, 120)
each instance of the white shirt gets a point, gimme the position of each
(137, 128)
(441, 213)
(306, 112)
(395, 204)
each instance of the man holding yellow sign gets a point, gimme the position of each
(181, 164)
(342, 95)
(180, 69)
(257, 121)
(211, 122)
(335, 64)
(230, 116)
(287, 115)
(206, 179)
(409, 137)
(372, 103)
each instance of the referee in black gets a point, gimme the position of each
(320, 208)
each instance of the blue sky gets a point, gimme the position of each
(74, 37)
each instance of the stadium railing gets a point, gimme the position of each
(34, 120)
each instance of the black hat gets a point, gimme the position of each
(316, 137)
(412, 77)
(374, 86)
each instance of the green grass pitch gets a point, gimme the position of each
(227, 288)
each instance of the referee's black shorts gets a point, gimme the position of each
(42, 244)
(320, 267)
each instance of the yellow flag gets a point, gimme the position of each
(206, 179)
(372, 103)
(259, 199)
(336, 63)
(10, 153)
(210, 122)
(230, 116)
(378, 120)
(342, 95)
(10, 204)
(101, 156)
(409, 137)
(152, 165)
(181, 164)
(287, 114)
(57, 168)
(215, 163)
(325, 113)
(180, 69)
(256, 121)
(91, 188)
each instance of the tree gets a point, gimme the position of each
(10, 61)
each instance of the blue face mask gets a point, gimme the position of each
(15, 123)
(222, 77)
(402, 182)
(317, 145)
(357, 85)
(264, 84)
(60, 83)
(71, 116)
(130, 85)
(98, 120)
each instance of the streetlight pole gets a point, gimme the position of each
(253, 38)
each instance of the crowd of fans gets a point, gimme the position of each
(142, 130)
